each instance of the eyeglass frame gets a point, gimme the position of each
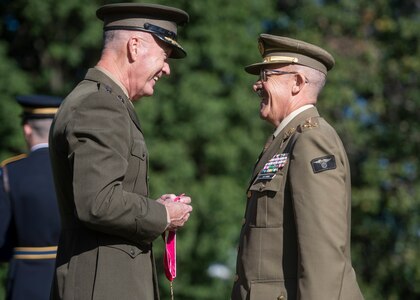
(264, 75)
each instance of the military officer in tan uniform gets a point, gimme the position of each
(100, 162)
(295, 238)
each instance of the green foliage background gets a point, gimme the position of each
(204, 133)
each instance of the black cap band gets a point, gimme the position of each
(147, 28)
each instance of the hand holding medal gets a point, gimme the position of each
(178, 216)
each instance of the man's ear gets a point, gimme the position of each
(133, 48)
(300, 82)
(27, 132)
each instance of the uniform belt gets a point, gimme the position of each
(35, 252)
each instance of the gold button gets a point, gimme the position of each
(249, 194)
(281, 297)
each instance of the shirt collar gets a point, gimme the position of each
(290, 117)
(39, 146)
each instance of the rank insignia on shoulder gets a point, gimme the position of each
(309, 124)
(277, 162)
(324, 163)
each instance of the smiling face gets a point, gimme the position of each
(275, 94)
(150, 65)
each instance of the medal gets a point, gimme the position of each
(169, 257)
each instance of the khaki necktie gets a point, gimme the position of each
(268, 142)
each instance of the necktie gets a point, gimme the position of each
(268, 142)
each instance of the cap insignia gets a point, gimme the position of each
(281, 59)
(261, 47)
(172, 41)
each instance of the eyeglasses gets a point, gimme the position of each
(264, 73)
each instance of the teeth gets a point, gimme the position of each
(260, 93)
(155, 78)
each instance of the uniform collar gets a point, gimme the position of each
(290, 117)
(117, 82)
(101, 78)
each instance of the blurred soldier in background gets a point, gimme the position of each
(29, 216)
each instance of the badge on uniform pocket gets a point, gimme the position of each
(277, 162)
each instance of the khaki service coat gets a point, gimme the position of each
(295, 239)
(100, 162)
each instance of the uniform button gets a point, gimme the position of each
(249, 194)
(281, 297)
(132, 251)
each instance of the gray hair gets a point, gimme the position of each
(315, 78)
(113, 38)
(40, 127)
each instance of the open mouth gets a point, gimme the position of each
(262, 93)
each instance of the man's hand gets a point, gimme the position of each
(178, 212)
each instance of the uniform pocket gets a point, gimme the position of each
(124, 246)
(139, 150)
(268, 290)
(268, 195)
(135, 179)
(262, 253)
(127, 269)
(131, 250)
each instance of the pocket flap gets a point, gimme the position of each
(274, 184)
(131, 250)
(139, 150)
(268, 289)
(118, 243)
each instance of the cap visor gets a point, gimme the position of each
(177, 50)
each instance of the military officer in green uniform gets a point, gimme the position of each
(295, 238)
(100, 162)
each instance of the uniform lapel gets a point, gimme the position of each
(101, 78)
(133, 114)
(280, 141)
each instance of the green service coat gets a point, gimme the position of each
(295, 239)
(100, 162)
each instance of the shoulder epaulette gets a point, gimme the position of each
(12, 159)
